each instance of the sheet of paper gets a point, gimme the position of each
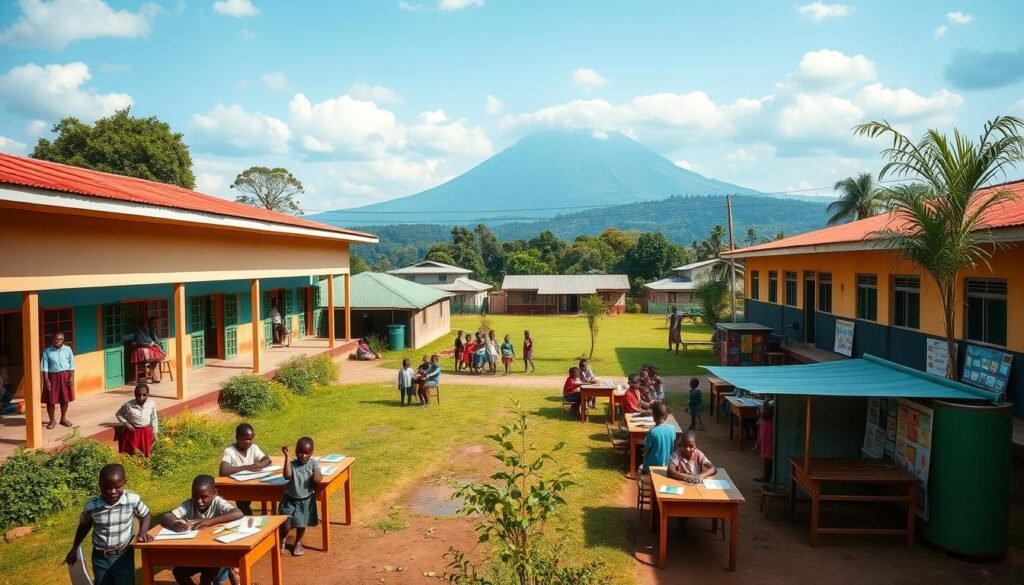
(671, 489)
(166, 534)
(79, 573)
(250, 475)
(718, 484)
(328, 470)
(257, 522)
(275, 480)
(237, 535)
(333, 458)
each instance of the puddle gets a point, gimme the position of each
(436, 500)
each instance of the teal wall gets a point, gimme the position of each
(837, 429)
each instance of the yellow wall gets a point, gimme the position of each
(1007, 263)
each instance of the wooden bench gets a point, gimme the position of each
(686, 344)
(619, 445)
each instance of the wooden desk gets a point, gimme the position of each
(854, 471)
(696, 501)
(742, 409)
(638, 430)
(257, 491)
(204, 551)
(718, 388)
(599, 390)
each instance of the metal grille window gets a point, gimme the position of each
(62, 320)
(230, 309)
(986, 310)
(773, 286)
(791, 287)
(825, 292)
(906, 302)
(158, 308)
(112, 325)
(755, 284)
(867, 297)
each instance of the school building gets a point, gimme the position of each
(559, 294)
(90, 254)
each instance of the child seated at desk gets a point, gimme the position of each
(571, 390)
(204, 508)
(655, 384)
(660, 441)
(302, 475)
(688, 463)
(243, 455)
(632, 402)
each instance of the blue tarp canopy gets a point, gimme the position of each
(868, 377)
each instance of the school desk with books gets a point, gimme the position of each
(267, 487)
(716, 497)
(237, 544)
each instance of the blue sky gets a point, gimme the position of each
(369, 100)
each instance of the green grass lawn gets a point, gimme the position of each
(624, 343)
(405, 449)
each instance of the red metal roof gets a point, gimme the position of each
(39, 174)
(1007, 214)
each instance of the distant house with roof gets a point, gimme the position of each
(677, 289)
(553, 294)
(379, 299)
(468, 295)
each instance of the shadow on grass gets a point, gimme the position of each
(668, 364)
(609, 526)
(395, 403)
(605, 457)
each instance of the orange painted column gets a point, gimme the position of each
(257, 325)
(348, 306)
(33, 377)
(330, 310)
(180, 366)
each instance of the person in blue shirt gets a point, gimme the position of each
(430, 379)
(660, 441)
(58, 369)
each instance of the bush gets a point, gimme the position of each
(633, 307)
(185, 439)
(323, 369)
(35, 483)
(280, 396)
(246, 394)
(378, 343)
(295, 374)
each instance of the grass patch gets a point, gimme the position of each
(624, 343)
(393, 522)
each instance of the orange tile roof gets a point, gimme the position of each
(39, 174)
(1007, 214)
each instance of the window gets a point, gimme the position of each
(986, 310)
(231, 309)
(791, 289)
(441, 278)
(529, 298)
(773, 286)
(755, 285)
(672, 297)
(62, 320)
(867, 297)
(158, 308)
(825, 292)
(906, 302)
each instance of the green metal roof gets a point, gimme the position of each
(377, 290)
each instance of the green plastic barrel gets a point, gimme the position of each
(969, 479)
(396, 337)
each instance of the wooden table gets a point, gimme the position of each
(819, 472)
(257, 491)
(742, 409)
(599, 390)
(638, 429)
(204, 551)
(718, 388)
(696, 501)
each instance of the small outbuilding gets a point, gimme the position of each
(554, 294)
(468, 295)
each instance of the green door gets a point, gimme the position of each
(113, 347)
(319, 315)
(300, 295)
(197, 329)
(268, 331)
(230, 326)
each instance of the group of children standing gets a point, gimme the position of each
(112, 514)
(479, 354)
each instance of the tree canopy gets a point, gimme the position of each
(859, 198)
(274, 189)
(145, 148)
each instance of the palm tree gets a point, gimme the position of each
(859, 198)
(751, 238)
(940, 227)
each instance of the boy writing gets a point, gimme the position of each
(111, 517)
(688, 463)
(243, 455)
(204, 508)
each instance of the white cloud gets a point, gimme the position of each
(452, 5)
(587, 79)
(1019, 105)
(235, 8)
(454, 137)
(433, 117)
(374, 93)
(821, 11)
(345, 126)
(36, 128)
(818, 117)
(214, 176)
(940, 32)
(493, 106)
(57, 91)
(832, 69)
(599, 134)
(55, 24)
(685, 164)
(275, 80)
(905, 103)
(12, 146)
(959, 18)
(410, 7)
(233, 130)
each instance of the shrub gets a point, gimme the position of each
(323, 369)
(486, 323)
(633, 307)
(280, 395)
(183, 440)
(378, 343)
(246, 394)
(295, 374)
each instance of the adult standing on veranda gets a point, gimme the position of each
(58, 369)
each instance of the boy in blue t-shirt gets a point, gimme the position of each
(660, 441)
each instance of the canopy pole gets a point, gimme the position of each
(807, 438)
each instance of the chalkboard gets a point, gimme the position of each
(986, 368)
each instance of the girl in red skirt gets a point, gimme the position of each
(139, 421)
(147, 348)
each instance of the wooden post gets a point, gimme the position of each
(32, 380)
(330, 310)
(732, 261)
(348, 306)
(257, 325)
(807, 438)
(181, 349)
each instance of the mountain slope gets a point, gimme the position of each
(549, 169)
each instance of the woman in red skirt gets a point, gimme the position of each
(147, 348)
(138, 418)
(58, 369)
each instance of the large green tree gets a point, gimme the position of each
(528, 262)
(490, 252)
(621, 242)
(943, 233)
(859, 198)
(357, 265)
(549, 246)
(274, 189)
(587, 253)
(652, 257)
(144, 148)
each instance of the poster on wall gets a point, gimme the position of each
(986, 368)
(844, 337)
(880, 429)
(914, 447)
(936, 357)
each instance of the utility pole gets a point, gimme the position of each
(732, 261)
